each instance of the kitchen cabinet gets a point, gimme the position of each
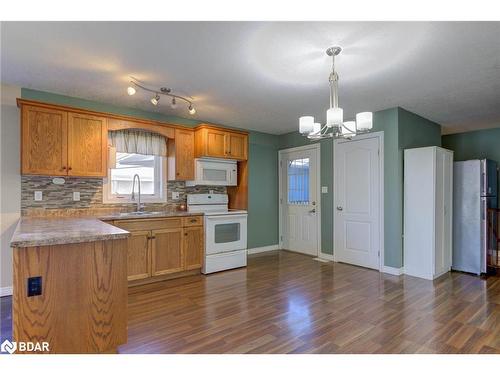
(220, 143)
(428, 205)
(43, 141)
(163, 248)
(181, 155)
(87, 145)
(193, 247)
(62, 143)
(167, 251)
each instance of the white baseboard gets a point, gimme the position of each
(328, 257)
(263, 249)
(6, 291)
(393, 270)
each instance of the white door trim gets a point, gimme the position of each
(380, 136)
(317, 148)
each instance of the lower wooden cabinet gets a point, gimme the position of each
(162, 247)
(193, 247)
(167, 251)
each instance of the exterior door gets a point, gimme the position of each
(44, 141)
(299, 200)
(357, 202)
(87, 145)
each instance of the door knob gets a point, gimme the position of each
(313, 211)
(339, 208)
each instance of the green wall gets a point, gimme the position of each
(478, 144)
(263, 163)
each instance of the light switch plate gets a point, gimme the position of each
(76, 195)
(324, 189)
(175, 195)
(38, 195)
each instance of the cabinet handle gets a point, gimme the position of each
(69, 168)
(63, 168)
(185, 234)
(194, 220)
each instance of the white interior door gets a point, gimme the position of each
(299, 197)
(357, 202)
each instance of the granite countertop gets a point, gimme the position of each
(148, 214)
(39, 231)
(59, 230)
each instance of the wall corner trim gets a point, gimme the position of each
(262, 249)
(393, 270)
(6, 291)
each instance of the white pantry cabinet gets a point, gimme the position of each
(428, 202)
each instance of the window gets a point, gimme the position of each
(151, 171)
(298, 181)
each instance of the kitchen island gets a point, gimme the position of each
(70, 284)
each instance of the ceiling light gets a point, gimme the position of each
(131, 90)
(155, 100)
(174, 104)
(335, 126)
(191, 109)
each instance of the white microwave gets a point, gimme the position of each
(210, 171)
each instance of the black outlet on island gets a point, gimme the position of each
(34, 286)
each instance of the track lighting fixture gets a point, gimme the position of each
(155, 100)
(131, 90)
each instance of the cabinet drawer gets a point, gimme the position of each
(149, 224)
(192, 221)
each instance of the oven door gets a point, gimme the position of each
(225, 233)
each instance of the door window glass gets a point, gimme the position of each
(298, 181)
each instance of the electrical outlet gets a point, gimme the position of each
(38, 195)
(175, 195)
(76, 195)
(34, 286)
(324, 189)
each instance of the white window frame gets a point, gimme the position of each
(160, 176)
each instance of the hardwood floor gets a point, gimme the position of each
(289, 303)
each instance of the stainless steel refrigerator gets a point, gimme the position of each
(474, 191)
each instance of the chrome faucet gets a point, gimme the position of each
(139, 206)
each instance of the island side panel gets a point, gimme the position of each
(83, 305)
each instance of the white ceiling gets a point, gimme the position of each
(264, 75)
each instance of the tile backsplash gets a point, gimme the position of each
(57, 197)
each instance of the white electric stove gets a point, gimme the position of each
(225, 232)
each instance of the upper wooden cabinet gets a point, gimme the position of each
(220, 143)
(87, 145)
(44, 141)
(181, 155)
(61, 143)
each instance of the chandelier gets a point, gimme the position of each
(335, 126)
(134, 85)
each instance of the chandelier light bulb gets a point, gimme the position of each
(155, 100)
(191, 109)
(131, 90)
(306, 124)
(174, 104)
(334, 117)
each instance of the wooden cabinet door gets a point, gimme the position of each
(184, 154)
(193, 247)
(44, 141)
(87, 145)
(216, 143)
(139, 255)
(167, 252)
(236, 146)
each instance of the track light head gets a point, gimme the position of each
(155, 100)
(131, 90)
(191, 109)
(174, 104)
